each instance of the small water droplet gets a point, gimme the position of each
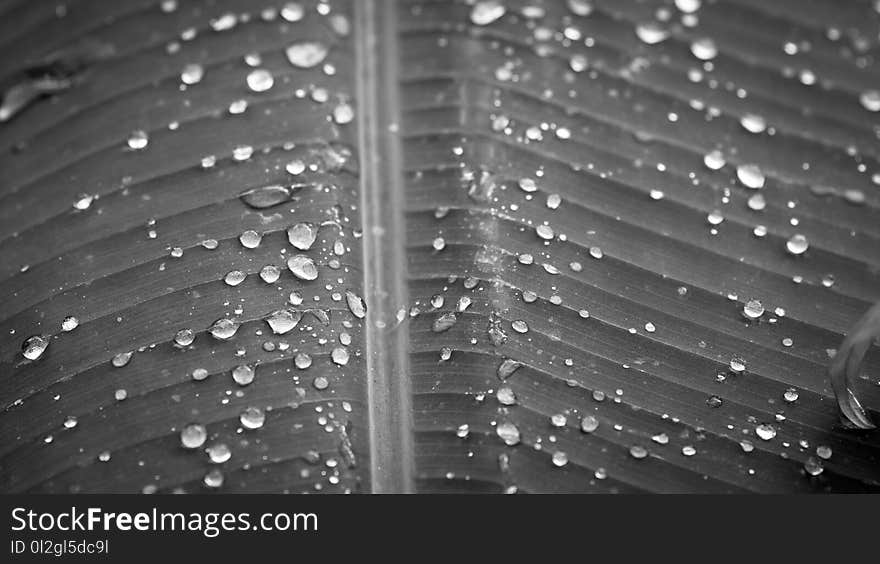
(283, 320)
(33, 347)
(302, 235)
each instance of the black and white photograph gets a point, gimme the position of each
(438, 247)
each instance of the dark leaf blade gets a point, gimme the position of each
(509, 258)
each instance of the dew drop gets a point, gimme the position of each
(260, 80)
(508, 433)
(306, 54)
(302, 267)
(797, 244)
(69, 323)
(302, 235)
(33, 347)
(193, 436)
(250, 239)
(252, 418)
(283, 320)
(243, 374)
(224, 329)
(485, 12)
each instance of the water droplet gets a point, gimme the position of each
(260, 80)
(192, 74)
(302, 267)
(33, 347)
(704, 49)
(252, 418)
(250, 239)
(444, 322)
(714, 160)
(487, 11)
(506, 396)
(243, 374)
(302, 235)
(753, 309)
(544, 232)
(797, 244)
(520, 326)
(340, 356)
(213, 479)
(757, 202)
(463, 431)
(651, 33)
(69, 323)
(753, 123)
(219, 453)
(302, 361)
(355, 304)
(638, 451)
(199, 374)
(292, 12)
(870, 100)
(790, 395)
(714, 401)
(270, 273)
(507, 367)
(70, 422)
(765, 431)
(661, 438)
(343, 113)
(560, 459)
(224, 329)
(121, 359)
(265, 196)
(283, 320)
(306, 54)
(83, 201)
(234, 277)
(823, 452)
(589, 423)
(737, 365)
(750, 175)
(688, 450)
(138, 140)
(193, 436)
(508, 433)
(813, 467)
